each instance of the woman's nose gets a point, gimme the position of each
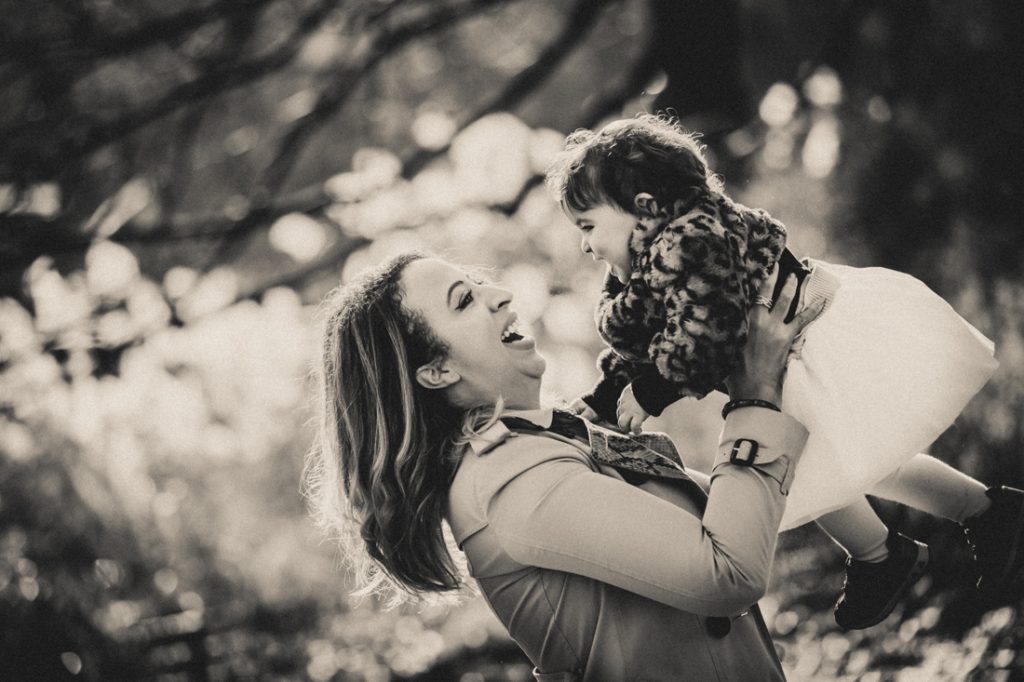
(497, 297)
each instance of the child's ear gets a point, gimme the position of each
(436, 375)
(645, 204)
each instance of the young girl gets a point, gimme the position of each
(876, 378)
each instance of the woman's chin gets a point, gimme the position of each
(539, 365)
(525, 357)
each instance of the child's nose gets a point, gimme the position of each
(584, 245)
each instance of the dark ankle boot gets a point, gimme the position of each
(872, 590)
(997, 535)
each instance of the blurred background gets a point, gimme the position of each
(181, 182)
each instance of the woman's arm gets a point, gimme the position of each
(561, 515)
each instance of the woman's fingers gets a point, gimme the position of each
(781, 306)
(807, 315)
(768, 284)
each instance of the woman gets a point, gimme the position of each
(597, 572)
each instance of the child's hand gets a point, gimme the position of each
(631, 415)
(580, 408)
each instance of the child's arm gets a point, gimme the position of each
(628, 392)
(656, 393)
(651, 392)
(616, 374)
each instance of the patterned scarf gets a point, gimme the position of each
(696, 268)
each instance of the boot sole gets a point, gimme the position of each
(918, 569)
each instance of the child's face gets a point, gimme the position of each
(604, 234)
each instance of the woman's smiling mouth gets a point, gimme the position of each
(513, 336)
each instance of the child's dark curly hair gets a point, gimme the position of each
(649, 153)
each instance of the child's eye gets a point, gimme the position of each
(586, 228)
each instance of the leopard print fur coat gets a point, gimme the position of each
(680, 321)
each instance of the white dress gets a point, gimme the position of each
(880, 375)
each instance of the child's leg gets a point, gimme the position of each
(858, 530)
(881, 568)
(933, 486)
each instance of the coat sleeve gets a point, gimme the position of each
(561, 515)
(617, 372)
(698, 276)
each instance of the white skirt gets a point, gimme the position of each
(882, 373)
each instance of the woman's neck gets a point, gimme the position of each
(512, 404)
(516, 397)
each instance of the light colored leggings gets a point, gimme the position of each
(924, 483)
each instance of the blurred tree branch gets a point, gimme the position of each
(337, 93)
(239, 32)
(88, 41)
(83, 138)
(227, 230)
(607, 105)
(611, 102)
(329, 261)
(702, 64)
(332, 98)
(579, 21)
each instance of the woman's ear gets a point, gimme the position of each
(645, 204)
(436, 375)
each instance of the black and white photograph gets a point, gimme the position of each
(511, 341)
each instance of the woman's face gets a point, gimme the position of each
(487, 358)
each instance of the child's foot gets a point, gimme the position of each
(997, 535)
(872, 589)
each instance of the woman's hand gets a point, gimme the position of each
(769, 340)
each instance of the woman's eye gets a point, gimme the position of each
(464, 300)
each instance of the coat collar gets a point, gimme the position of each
(498, 433)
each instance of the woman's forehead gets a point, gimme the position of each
(436, 272)
(428, 272)
(427, 281)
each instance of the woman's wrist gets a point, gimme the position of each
(743, 388)
(733, 405)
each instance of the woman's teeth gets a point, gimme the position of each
(511, 333)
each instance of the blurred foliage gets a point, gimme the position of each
(181, 182)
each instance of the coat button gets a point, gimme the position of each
(718, 626)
